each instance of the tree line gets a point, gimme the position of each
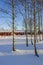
(31, 11)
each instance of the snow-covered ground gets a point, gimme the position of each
(23, 55)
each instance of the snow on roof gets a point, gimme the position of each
(14, 31)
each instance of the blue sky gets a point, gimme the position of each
(5, 18)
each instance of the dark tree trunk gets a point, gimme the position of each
(31, 26)
(26, 32)
(13, 23)
(39, 22)
(35, 28)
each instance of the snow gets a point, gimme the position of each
(23, 55)
(29, 59)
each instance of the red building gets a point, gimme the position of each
(18, 32)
